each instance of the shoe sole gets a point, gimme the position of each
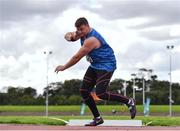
(96, 124)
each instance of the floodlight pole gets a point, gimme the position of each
(133, 75)
(142, 70)
(170, 47)
(47, 82)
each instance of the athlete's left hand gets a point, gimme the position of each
(59, 68)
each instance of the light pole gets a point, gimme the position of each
(142, 70)
(149, 75)
(47, 53)
(125, 84)
(170, 47)
(133, 77)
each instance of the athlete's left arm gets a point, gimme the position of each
(88, 46)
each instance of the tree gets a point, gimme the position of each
(30, 92)
(68, 93)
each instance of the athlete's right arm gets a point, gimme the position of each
(87, 47)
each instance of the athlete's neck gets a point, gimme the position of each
(90, 29)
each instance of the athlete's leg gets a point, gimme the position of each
(88, 84)
(101, 91)
(103, 79)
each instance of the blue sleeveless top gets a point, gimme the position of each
(103, 57)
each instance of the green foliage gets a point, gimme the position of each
(67, 93)
(74, 99)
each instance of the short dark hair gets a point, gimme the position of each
(81, 21)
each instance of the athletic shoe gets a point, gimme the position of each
(132, 107)
(95, 122)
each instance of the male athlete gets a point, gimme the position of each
(102, 65)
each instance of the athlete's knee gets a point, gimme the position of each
(84, 93)
(101, 94)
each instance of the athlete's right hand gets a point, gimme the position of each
(69, 36)
(59, 68)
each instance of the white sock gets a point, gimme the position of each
(129, 101)
(98, 117)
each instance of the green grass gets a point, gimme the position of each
(39, 108)
(102, 108)
(39, 120)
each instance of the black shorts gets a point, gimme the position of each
(98, 78)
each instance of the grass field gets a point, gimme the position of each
(39, 120)
(152, 120)
(102, 108)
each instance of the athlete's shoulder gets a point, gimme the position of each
(94, 31)
(93, 41)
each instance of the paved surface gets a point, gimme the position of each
(83, 128)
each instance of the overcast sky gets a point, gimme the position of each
(137, 30)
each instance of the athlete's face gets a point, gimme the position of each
(83, 30)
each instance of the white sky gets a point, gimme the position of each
(137, 30)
